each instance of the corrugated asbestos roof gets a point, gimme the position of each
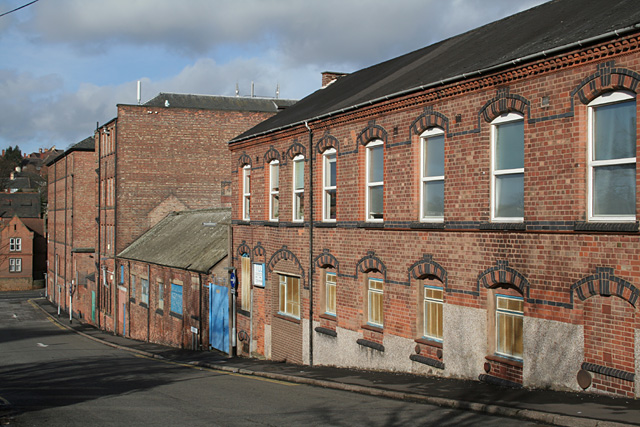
(553, 25)
(87, 144)
(181, 240)
(226, 103)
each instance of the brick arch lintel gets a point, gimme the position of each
(501, 273)
(243, 248)
(296, 149)
(429, 119)
(607, 78)
(285, 254)
(327, 142)
(244, 160)
(271, 155)
(326, 260)
(259, 250)
(371, 262)
(371, 132)
(426, 267)
(503, 103)
(605, 283)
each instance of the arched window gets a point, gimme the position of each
(432, 175)
(298, 188)
(507, 168)
(612, 157)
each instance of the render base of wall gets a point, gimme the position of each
(465, 345)
(553, 354)
(637, 355)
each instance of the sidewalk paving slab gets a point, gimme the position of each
(544, 406)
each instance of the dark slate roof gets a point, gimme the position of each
(24, 205)
(181, 240)
(546, 29)
(226, 103)
(87, 144)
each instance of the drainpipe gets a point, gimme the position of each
(200, 311)
(310, 244)
(98, 281)
(148, 302)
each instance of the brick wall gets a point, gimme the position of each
(545, 259)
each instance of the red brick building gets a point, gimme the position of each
(169, 154)
(71, 228)
(22, 254)
(466, 210)
(167, 274)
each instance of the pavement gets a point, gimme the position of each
(543, 406)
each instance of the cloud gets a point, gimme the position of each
(67, 63)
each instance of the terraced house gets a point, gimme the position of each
(466, 210)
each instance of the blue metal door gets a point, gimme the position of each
(219, 317)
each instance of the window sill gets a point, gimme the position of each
(427, 361)
(133, 300)
(245, 313)
(606, 226)
(287, 318)
(160, 312)
(176, 315)
(430, 343)
(272, 224)
(373, 328)
(327, 316)
(143, 305)
(505, 360)
(370, 344)
(326, 331)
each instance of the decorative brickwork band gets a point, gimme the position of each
(371, 262)
(243, 249)
(605, 283)
(504, 103)
(326, 142)
(326, 260)
(610, 372)
(244, 160)
(427, 120)
(285, 254)
(427, 267)
(296, 149)
(605, 79)
(370, 133)
(271, 155)
(502, 273)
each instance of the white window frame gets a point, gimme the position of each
(430, 300)
(605, 99)
(370, 294)
(329, 156)
(330, 283)
(246, 192)
(283, 302)
(298, 162)
(372, 184)
(424, 138)
(144, 284)
(15, 244)
(274, 190)
(160, 296)
(505, 118)
(507, 312)
(15, 265)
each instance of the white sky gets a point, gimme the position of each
(65, 64)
